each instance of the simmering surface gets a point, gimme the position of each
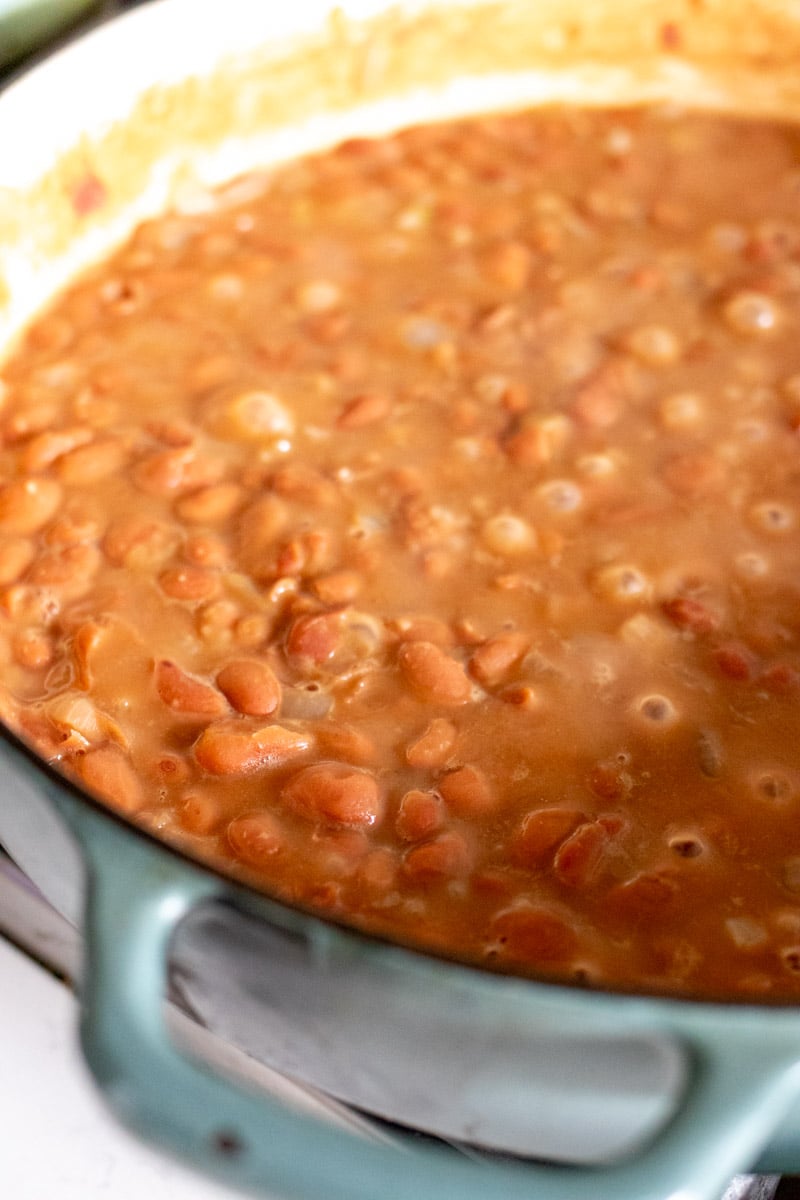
(415, 532)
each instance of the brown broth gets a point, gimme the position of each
(420, 541)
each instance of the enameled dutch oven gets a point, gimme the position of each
(630, 1097)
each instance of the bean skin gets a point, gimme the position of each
(434, 675)
(250, 686)
(335, 794)
(225, 748)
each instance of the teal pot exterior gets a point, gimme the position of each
(392, 1024)
(27, 24)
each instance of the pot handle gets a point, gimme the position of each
(738, 1091)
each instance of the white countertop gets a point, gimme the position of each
(58, 1141)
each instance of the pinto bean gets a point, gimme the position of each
(541, 833)
(184, 693)
(433, 674)
(434, 746)
(335, 794)
(228, 748)
(256, 837)
(467, 791)
(28, 504)
(420, 814)
(250, 686)
(446, 857)
(108, 771)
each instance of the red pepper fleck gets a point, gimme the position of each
(671, 36)
(734, 661)
(780, 678)
(690, 614)
(88, 195)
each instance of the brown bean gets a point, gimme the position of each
(433, 747)
(33, 649)
(226, 748)
(346, 742)
(189, 583)
(28, 504)
(335, 793)
(139, 541)
(16, 554)
(69, 570)
(467, 792)
(492, 662)
(45, 448)
(541, 833)
(446, 857)
(314, 638)
(420, 814)
(578, 859)
(184, 693)
(174, 471)
(250, 686)
(433, 674)
(89, 464)
(210, 505)
(533, 936)
(108, 771)
(338, 587)
(199, 813)
(256, 837)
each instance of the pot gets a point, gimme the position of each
(640, 1096)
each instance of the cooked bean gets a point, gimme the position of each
(228, 748)
(535, 936)
(108, 771)
(200, 814)
(336, 794)
(492, 662)
(256, 837)
(189, 583)
(88, 464)
(210, 505)
(434, 674)
(434, 746)
(184, 693)
(541, 833)
(16, 554)
(250, 686)
(420, 814)
(28, 504)
(33, 649)
(446, 857)
(467, 791)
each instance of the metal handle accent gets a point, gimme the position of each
(738, 1091)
